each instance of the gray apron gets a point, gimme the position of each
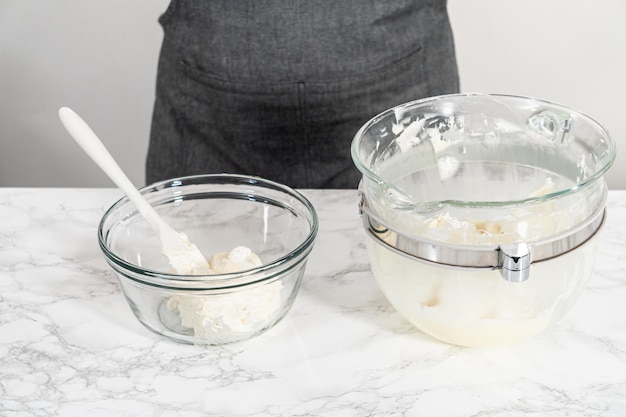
(278, 88)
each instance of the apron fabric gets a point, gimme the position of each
(278, 89)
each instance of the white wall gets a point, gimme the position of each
(571, 52)
(99, 57)
(95, 56)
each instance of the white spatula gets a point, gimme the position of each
(183, 255)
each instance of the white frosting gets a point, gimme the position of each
(409, 137)
(518, 224)
(239, 311)
(478, 307)
(472, 307)
(239, 259)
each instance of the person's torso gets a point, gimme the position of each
(293, 40)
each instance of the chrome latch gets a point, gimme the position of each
(515, 261)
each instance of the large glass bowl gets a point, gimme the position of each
(218, 213)
(480, 211)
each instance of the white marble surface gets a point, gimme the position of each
(70, 346)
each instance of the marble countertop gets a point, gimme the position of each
(70, 346)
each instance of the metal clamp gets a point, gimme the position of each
(513, 259)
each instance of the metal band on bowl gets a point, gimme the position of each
(513, 259)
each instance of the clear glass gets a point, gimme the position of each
(474, 172)
(478, 158)
(476, 307)
(218, 213)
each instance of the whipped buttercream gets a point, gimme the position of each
(236, 312)
(477, 307)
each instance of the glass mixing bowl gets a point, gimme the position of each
(218, 213)
(480, 211)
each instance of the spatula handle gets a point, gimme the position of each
(91, 144)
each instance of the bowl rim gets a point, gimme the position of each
(266, 272)
(434, 205)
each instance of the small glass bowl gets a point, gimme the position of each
(218, 213)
